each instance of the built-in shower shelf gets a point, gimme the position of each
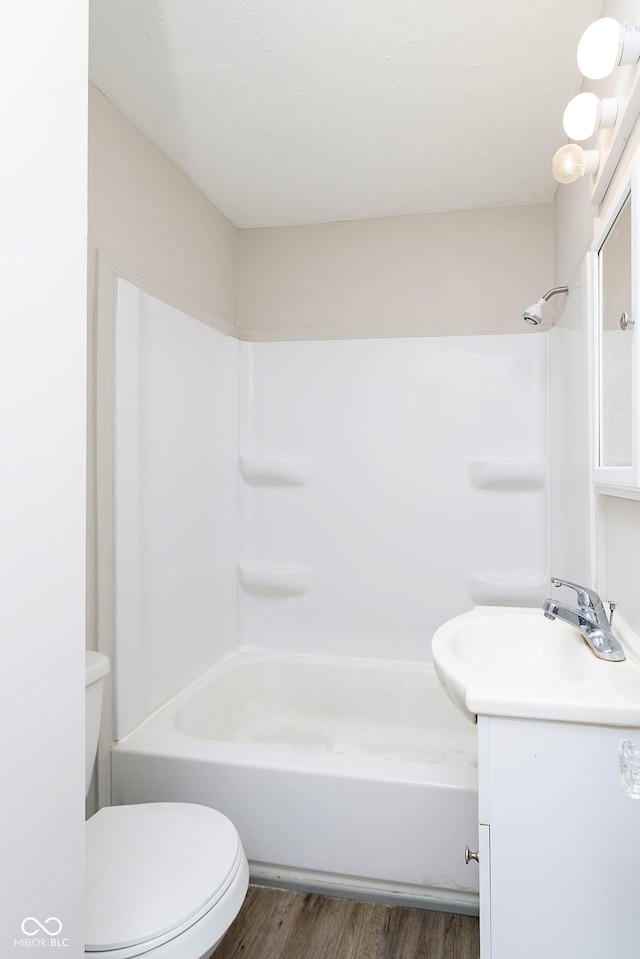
(507, 590)
(263, 579)
(508, 474)
(276, 469)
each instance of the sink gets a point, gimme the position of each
(524, 644)
(515, 662)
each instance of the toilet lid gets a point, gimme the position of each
(154, 867)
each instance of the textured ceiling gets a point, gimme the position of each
(301, 111)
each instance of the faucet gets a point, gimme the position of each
(589, 617)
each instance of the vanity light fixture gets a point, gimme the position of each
(571, 162)
(587, 113)
(605, 45)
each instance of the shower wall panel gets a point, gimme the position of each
(176, 491)
(572, 533)
(360, 491)
(387, 486)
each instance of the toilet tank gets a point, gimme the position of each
(96, 668)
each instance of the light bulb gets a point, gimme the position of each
(587, 113)
(605, 45)
(571, 162)
(600, 48)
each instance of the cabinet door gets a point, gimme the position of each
(484, 851)
(565, 843)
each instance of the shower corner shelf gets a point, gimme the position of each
(507, 590)
(269, 579)
(508, 474)
(276, 469)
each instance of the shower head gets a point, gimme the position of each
(533, 314)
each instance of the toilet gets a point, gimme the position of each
(163, 880)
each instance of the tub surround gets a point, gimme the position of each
(176, 501)
(298, 471)
(377, 423)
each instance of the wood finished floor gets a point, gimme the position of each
(280, 924)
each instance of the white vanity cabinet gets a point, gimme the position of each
(559, 853)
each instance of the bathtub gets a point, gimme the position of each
(350, 777)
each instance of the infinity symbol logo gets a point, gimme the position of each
(51, 926)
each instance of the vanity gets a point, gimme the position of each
(559, 831)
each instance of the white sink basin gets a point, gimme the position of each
(515, 662)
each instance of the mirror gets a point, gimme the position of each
(615, 305)
(616, 357)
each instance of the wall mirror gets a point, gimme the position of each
(616, 322)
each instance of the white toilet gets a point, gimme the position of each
(163, 880)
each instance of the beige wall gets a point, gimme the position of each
(617, 520)
(467, 272)
(146, 214)
(573, 229)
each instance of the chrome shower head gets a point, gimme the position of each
(533, 315)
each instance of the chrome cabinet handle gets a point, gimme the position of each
(468, 856)
(626, 321)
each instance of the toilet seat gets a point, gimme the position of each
(157, 871)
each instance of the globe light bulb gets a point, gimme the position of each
(587, 113)
(571, 162)
(600, 48)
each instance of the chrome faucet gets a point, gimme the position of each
(589, 617)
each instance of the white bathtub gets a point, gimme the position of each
(357, 777)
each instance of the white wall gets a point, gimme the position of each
(468, 272)
(619, 543)
(617, 524)
(571, 508)
(395, 521)
(43, 69)
(176, 491)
